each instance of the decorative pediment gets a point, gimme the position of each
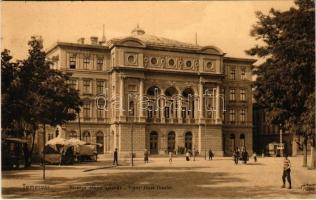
(211, 50)
(132, 42)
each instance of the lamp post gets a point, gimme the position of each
(132, 142)
(44, 141)
(131, 116)
(281, 142)
(206, 93)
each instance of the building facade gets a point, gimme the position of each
(148, 92)
(266, 134)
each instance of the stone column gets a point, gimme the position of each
(174, 109)
(201, 100)
(179, 110)
(196, 106)
(141, 94)
(121, 96)
(218, 109)
(161, 110)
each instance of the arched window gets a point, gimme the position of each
(242, 140)
(153, 142)
(188, 95)
(86, 136)
(152, 93)
(170, 106)
(171, 91)
(171, 141)
(153, 90)
(188, 140)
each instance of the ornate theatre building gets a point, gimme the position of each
(148, 92)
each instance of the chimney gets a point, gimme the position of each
(81, 40)
(94, 40)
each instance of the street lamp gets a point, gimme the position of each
(206, 93)
(132, 136)
(131, 116)
(281, 142)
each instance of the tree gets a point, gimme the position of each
(34, 95)
(285, 84)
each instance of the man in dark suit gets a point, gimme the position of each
(115, 162)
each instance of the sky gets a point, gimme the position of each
(225, 24)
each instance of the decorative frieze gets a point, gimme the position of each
(209, 65)
(131, 59)
(174, 62)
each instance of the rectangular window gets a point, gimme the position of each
(243, 74)
(99, 64)
(100, 114)
(86, 62)
(232, 116)
(72, 62)
(242, 95)
(232, 73)
(87, 86)
(232, 94)
(73, 84)
(86, 110)
(100, 87)
(243, 115)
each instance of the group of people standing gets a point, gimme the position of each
(188, 154)
(241, 154)
(194, 153)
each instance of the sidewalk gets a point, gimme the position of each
(218, 178)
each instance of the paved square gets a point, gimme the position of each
(219, 178)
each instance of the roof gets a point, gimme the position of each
(69, 44)
(143, 39)
(139, 39)
(152, 40)
(244, 60)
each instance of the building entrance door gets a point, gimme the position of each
(171, 141)
(100, 140)
(153, 142)
(188, 140)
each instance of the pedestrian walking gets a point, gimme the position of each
(194, 153)
(255, 156)
(244, 155)
(115, 162)
(170, 156)
(146, 155)
(286, 172)
(210, 154)
(187, 156)
(236, 155)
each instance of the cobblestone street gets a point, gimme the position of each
(219, 178)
